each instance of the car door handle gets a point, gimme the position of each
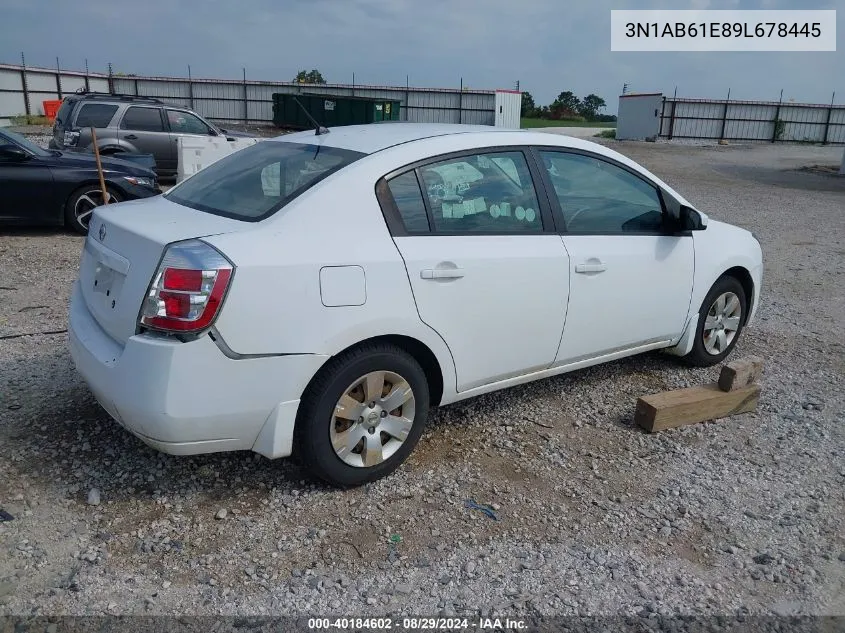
(591, 268)
(442, 273)
(130, 137)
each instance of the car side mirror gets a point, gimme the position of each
(691, 220)
(13, 153)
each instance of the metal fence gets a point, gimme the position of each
(772, 121)
(24, 88)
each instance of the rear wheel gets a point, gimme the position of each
(720, 321)
(82, 203)
(362, 415)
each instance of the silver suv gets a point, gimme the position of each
(128, 124)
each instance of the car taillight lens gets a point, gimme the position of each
(188, 288)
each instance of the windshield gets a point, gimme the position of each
(7, 136)
(257, 181)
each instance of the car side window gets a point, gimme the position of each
(186, 123)
(142, 120)
(97, 115)
(482, 193)
(409, 201)
(596, 196)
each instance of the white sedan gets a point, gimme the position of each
(316, 294)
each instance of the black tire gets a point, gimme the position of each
(699, 356)
(316, 416)
(76, 205)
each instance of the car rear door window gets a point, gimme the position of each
(97, 115)
(186, 123)
(257, 181)
(482, 193)
(406, 193)
(142, 120)
(598, 197)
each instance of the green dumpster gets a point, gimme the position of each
(331, 110)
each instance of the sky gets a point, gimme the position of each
(547, 45)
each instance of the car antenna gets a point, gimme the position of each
(319, 128)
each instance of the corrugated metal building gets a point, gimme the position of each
(22, 92)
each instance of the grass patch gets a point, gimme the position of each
(606, 134)
(532, 123)
(31, 119)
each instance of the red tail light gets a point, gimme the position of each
(188, 288)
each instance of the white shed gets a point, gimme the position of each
(508, 108)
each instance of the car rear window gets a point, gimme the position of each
(255, 182)
(63, 114)
(95, 115)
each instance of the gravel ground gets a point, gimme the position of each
(593, 516)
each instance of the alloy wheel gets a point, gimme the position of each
(88, 201)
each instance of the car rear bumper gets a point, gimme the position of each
(189, 398)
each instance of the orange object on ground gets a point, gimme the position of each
(51, 107)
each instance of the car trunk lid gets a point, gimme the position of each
(122, 252)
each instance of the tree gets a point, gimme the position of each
(312, 76)
(529, 108)
(590, 106)
(566, 101)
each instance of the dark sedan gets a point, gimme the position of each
(40, 186)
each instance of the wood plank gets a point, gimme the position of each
(670, 409)
(741, 373)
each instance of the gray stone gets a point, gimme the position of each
(402, 588)
(314, 582)
(93, 497)
(470, 567)
(8, 588)
(221, 514)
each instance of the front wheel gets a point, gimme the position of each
(81, 204)
(362, 415)
(720, 322)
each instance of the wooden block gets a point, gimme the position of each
(670, 409)
(741, 373)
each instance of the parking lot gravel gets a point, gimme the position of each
(585, 514)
